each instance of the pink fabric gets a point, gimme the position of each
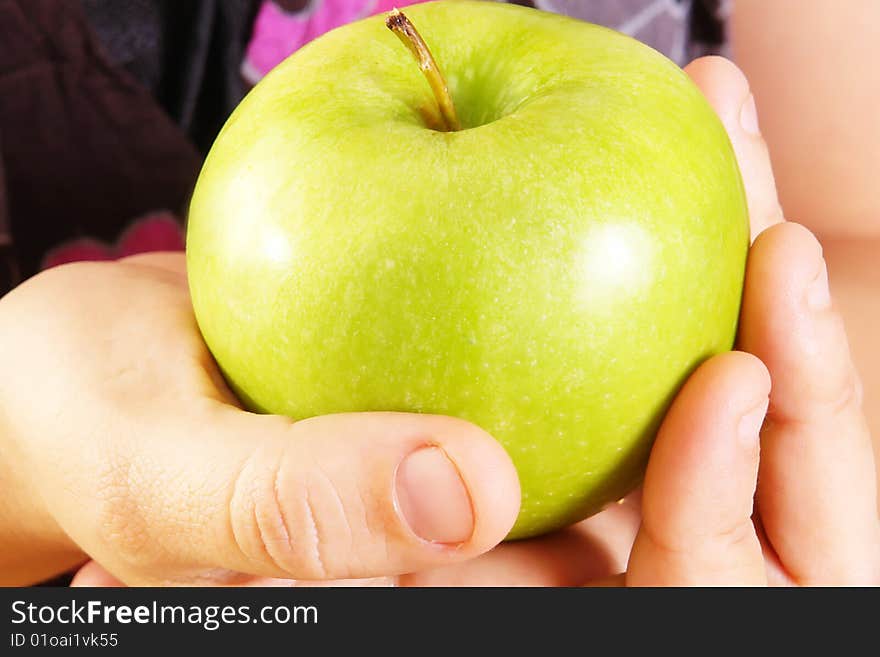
(278, 34)
(155, 232)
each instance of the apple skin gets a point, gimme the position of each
(552, 272)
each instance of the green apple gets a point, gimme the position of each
(552, 270)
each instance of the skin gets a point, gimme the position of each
(854, 270)
(816, 520)
(821, 73)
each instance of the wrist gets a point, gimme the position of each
(33, 547)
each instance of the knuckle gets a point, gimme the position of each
(844, 397)
(815, 378)
(736, 536)
(672, 543)
(819, 404)
(689, 544)
(289, 520)
(29, 300)
(58, 281)
(859, 390)
(820, 354)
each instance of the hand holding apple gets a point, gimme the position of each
(818, 523)
(552, 271)
(120, 441)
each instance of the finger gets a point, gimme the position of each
(93, 575)
(817, 492)
(699, 485)
(334, 497)
(727, 91)
(594, 548)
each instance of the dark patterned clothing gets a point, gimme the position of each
(107, 106)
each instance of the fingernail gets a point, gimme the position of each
(750, 423)
(432, 498)
(818, 292)
(748, 116)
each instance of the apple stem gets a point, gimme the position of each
(398, 23)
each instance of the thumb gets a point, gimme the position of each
(333, 497)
